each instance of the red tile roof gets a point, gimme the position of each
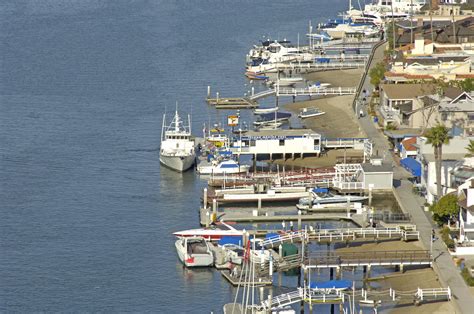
(408, 144)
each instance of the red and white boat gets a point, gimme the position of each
(212, 233)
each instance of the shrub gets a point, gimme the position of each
(467, 276)
(447, 238)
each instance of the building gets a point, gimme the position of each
(452, 154)
(427, 61)
(466, 218)
(375, 175)
(278, 144)
(408, 148)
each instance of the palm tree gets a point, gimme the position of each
(437, 136)
(470, 149)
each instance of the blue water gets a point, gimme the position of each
(86, 210)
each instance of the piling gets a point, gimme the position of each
(207, 219)
(253, 90)
(214, 210)
(217, 97)
(208, 91)
(205, 198)
(299, 219)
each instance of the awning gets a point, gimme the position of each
(413, 166)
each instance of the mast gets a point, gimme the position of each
(163, 126)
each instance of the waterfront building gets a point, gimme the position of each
(465, 245)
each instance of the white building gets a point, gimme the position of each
(278, 143)
(452, 154)
(466, 218)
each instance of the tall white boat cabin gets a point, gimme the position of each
(177, 148)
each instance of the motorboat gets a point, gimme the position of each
(275, 117)
(318, 86)
(227, 166)
(215, 232)
(256, 75)
(177, 148)
(310, 112)
(323, 196)
(194, 252)
(265, 110)
(287, 81)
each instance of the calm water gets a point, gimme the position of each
(86, 210)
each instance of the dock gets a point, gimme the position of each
(232, 103)
(333, 91)
(235, 280)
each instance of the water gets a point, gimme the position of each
(87, 212)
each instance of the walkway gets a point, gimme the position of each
(443, 264)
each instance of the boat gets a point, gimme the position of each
(256, 75)
(177, 148)
(194, 252)
(264, 110)
(257, 193)
(323, 196)
(215, 232)
(272, 125)
(275, 117)
(318, 86)
(310, 112)
(228, 166)
(287, 81)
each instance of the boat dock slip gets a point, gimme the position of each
(232, 103)
(333, 91)
(374, 258)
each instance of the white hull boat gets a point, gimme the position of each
(212, 233)
(323, 196)
(224, 167)
(265, 110)
(177, 148)
(310, 112)
(288, 81)
(194, 252)
(270, 126)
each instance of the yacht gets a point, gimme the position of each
(177, 148)
(227, 166)
(215, 232)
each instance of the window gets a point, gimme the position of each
(252, 142)
(316, 142)
(282, 142)
(444, 116)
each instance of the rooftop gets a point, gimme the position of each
(277, 133)
(429, 157)
(407, 91)
(367, 167)
(408, 144)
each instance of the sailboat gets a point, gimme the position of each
(177, 148)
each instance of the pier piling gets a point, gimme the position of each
(208, 91)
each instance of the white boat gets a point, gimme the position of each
(265, 110)
(177, 148)
(194, 252)
(288, 81)
(318, 86)
(323, 196)
(310, 112)
(228, 166)
(272, 125)
(275, 194)
(215, 232)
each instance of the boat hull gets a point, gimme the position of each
(178, 163)
(193, 259)
(212, 170)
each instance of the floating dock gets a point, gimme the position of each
(232, 103)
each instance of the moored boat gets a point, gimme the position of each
(216, 232)
(227, 166)
(194, 252)
(323, 196)
(310, 112)
(177, 148)
(264, 110)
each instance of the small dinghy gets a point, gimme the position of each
(310, 112)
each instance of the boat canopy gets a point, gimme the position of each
(331, 284)
(229, 165)
(320, 190)
(413, 166)
(230, 240)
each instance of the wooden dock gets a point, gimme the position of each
(232, 103)
(234, 280)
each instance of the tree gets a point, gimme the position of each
(377, 74)
(437, 136)
(446, 208)
(470, 149)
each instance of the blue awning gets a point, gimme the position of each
(413, 166)
(331, 284)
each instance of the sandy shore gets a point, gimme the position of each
(338, 78)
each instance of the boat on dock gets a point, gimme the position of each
(228, 166)
(177, 148)
(194, 252)
(215, 232)
(310, 112)
(323, 196)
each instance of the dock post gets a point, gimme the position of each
(217, 98)
(270, 297)
(207, 219)
(299, 219)
(253, 90)
(370, 195)
(208, 91)
(280, 251)
(259, 204)
(214, 210)
(338, 272)
(401, 268)
(205, 198)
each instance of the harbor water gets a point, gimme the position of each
(87, 212)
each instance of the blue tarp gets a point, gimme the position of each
(331, 284)
(230, 240)
(413, 166)
(320, 190)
